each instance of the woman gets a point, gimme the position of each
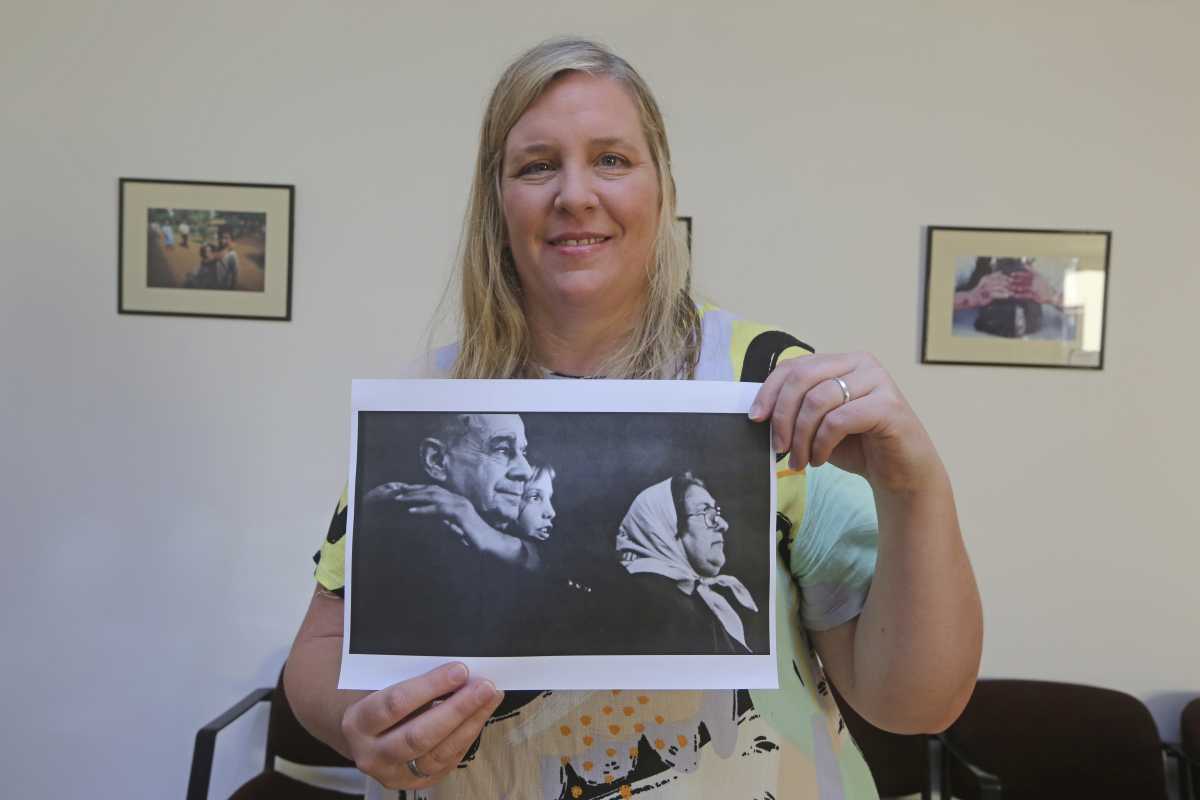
(672, 541)
(570, 265)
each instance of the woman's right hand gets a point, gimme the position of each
(431, 721)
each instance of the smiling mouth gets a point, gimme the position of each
(579, 242)
(541, 534)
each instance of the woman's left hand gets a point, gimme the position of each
(874, 433)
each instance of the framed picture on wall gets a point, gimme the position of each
(203, 249)
(1012, 297)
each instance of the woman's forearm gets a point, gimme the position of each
(918, 641)
(311, 675)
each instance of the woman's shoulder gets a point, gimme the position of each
(437, 363)
(735, 348)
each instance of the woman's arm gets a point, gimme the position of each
(381, 731)
(311, 675)
(908, 663)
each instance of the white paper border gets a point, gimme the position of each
(364, 671)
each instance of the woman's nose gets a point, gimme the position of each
(575, 192)
(549, 513)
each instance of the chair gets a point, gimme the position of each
(1048, 740)
(286, 738)
(1188, 751)
(904, 765)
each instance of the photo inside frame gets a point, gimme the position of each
(193, 248)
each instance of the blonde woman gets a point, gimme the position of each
(570, 267)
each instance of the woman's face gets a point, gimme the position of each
(704, 545)
(537, 514)
(580, 195)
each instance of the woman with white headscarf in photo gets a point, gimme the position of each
(672, 542)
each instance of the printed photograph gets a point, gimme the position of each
(560, 534)
(188, 248)
(1014, 297)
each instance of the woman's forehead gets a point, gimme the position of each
(578, 106)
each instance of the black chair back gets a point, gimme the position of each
(1047, 741)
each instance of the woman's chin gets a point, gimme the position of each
(593, 288)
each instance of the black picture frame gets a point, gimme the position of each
(256, 284)
(687, 224)
(1047, 305)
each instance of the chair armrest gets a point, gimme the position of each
(990, 787)
(206, 742)
(1175, 751)
(1189, 769)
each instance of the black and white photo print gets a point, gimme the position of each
(540, 530)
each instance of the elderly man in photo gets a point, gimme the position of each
(433, 568)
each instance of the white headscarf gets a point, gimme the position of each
(647, 542)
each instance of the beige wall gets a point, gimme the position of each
(165, 480)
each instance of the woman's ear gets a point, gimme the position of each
(433, 458)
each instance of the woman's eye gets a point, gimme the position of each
(536, 168)
(611, 160)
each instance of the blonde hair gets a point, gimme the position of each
(494, 337)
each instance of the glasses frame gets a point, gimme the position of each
(710, 514)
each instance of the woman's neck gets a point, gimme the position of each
(575, 342)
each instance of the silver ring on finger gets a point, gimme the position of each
(417, 772)
(845, 390)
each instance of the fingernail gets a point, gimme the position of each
(755, 411)
(458, 673)
(793, 462)
(485, 691)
